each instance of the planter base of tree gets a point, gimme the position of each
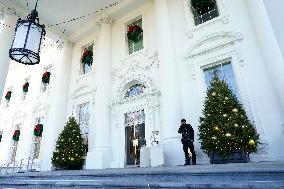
(235, 157)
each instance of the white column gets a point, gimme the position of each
(100, 156)
(58, 98)
(170, 104)
(269, 47)
(6, 37)
(274, 63)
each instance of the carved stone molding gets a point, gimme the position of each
(104, 20)
(212, 42)
(40, 107)
(82, 90)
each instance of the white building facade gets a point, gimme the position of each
(134, 88)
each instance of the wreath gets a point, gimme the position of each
(38, 130)
(202, 6)
(87, 57)
(16, 135)
(26, 87)
(46, 77)
(134, 33)
(8, 95)
(0, 138)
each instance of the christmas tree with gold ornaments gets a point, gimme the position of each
(70, 149)
(225, 128)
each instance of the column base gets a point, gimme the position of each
(99, 158)
(173, 152)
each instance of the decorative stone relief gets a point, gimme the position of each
(213, 42)
(82, 90)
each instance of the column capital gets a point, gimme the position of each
(10, 11)
(104, 20)
(63, 44)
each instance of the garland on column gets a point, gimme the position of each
(38, 130)
(46, 77)
(16, 135)
(87, 57)
(134, 33)
(26, 87)
(8, 95)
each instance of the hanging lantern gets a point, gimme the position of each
(27, 41)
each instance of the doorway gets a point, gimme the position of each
(134, 136)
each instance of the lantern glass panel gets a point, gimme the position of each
(19, 40)
(34, 37)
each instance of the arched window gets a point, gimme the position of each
(135, 90)
(204, 10)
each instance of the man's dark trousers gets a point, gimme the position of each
(189, 144)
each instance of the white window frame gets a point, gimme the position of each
(189, 17)
(81, 53)
(126, 29)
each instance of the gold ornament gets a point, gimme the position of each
(213, 94)
(235, 110)
(251, 142)
(72, 159)
(216, 128)
(225, 115)
(228, 135)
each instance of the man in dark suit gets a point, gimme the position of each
(187, 140)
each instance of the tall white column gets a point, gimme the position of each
(268, 45)
(274, 63)
(100, 156)
(58, 98)
(171, 104)
(10, 17)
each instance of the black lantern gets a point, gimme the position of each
(27, 41)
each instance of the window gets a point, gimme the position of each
(87, 59)
(204, 10)
(135, 36)
(84, 118)
(25, 88)
(135, 90)
(45, 79)
(224, 72)
(37, 137)
(15, 142)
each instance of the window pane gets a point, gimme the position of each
(137, 45)
(135, 90)
(224, 72)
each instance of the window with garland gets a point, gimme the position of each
(135, 90)
(45, 79)
(87, 57)
(84, 119)
(37, 138)
(135, 36)
(224, 72)
(204, 10)
(15, 142)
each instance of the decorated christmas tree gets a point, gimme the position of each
(70, 148)
(225, 127)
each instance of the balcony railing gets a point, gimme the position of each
(201, 18)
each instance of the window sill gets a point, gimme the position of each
(82, 76)
(129, 56)
(220, 19)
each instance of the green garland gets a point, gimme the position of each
(26, 87)
(134, 33)
(16, 135)
(38, 130)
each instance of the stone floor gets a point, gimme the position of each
(249, 175)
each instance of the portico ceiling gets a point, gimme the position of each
(56, 11)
